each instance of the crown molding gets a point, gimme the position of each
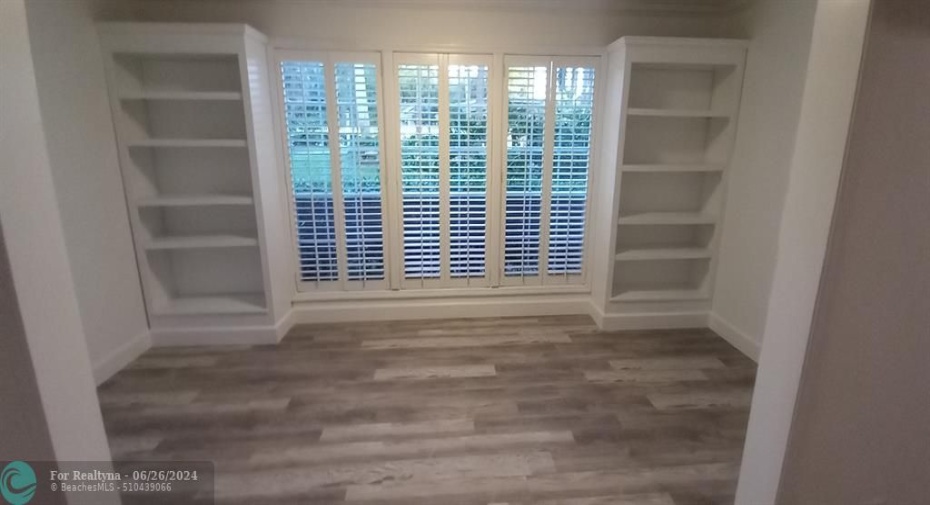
(643, 7)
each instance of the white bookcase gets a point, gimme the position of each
(192, 111)
(670, 122)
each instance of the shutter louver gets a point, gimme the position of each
(574, 100)
(526, 112)
(419, 131)
(305, 111)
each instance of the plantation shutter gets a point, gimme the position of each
(549, 110)
(452, 214)
(526, 112)
(443, 126)
(332, 119)
(419, 155)
(574, 101)
(468, 169)
(305, 111)
(356, 98)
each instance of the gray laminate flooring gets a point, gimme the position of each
(546, 411)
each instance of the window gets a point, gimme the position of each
(332, 118)
(549, 110)
(485, 183)
(443, 126)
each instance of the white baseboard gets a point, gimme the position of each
(230, 335)
(648, 321)
(738, 339)
(421, 309)
(447, 308)
(284, 325)
(121, 356)
(250, 335)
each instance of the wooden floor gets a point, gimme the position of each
(539, 411)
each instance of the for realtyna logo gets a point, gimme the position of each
(18, 483)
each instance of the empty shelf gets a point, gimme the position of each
(187, 143)
(673, 168)
(698, 113)
(201, 242)
(668, 218)
(249, 303)
(659, 295)
(678, 253)
(181, 95)
(194, 200)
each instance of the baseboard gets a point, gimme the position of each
(121, 356)
(230, 335)
(738, 339)
(284, 325)
(451, 308)
(251, 335)
(596, 314)
(649, 321)
(340, 312)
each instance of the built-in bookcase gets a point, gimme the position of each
(185, 108)
(183, 123)
(673, 109)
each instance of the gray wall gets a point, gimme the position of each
(24, 434)
(862, 429)
(804, 228)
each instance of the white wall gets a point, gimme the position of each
(85, 170)
(562, 26)
(780, 34)
(826, 108)
(35, 244)
(374, 24)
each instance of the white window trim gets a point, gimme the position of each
(319, 296)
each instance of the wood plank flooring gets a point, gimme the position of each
(545, 411)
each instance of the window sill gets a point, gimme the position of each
(412, 294)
